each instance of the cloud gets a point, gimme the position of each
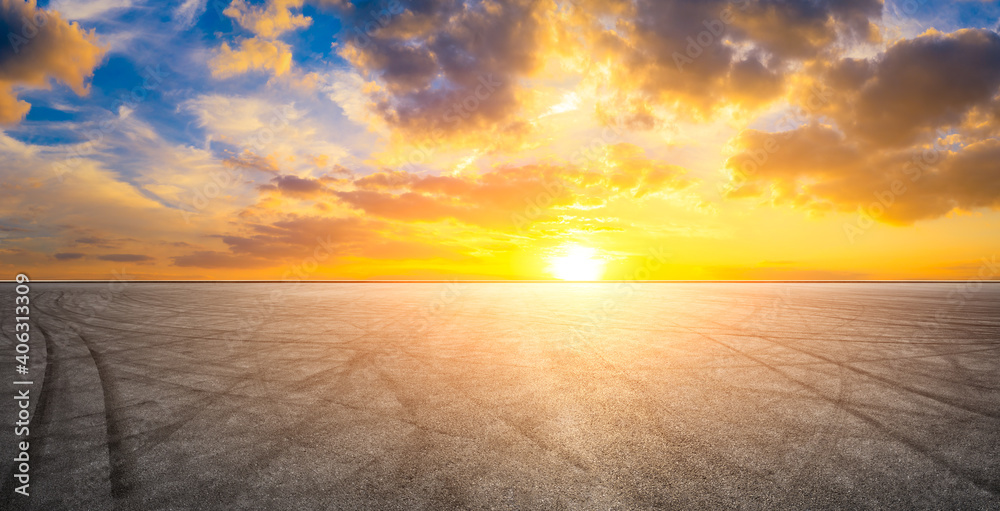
(98, 241)
(816, 167)
(294, 186)
(11, 109)
(395, 214)
(492, 198)
(268, 132)
(241, 119)
(695, 57)
(89, 9)
(903, 136)
(915, 87)
(125, 258)
(466, 73)
(253, 54)
(805, 30)
(297, 239)
(249, 160)
(268, 21)
(40, 47)
(68, 256)
(187, 13)
(633, 172)
(448, 66)
(214, 260)
(67, 195)
(263, 51)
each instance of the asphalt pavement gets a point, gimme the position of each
(506, 396)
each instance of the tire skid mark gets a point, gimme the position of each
(893, 383)
(154, 346)
(538, 442)
(982, 483)
(152, 438)
(369, 356)
(122, 465)
(124, 448)
(884, 380)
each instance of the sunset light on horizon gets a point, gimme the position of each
(577, 263)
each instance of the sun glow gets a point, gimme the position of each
(576, 263)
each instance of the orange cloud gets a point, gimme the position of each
(254, 54)
(295, 238)
(907, 140)
(394, 214)
(268, 21)
(40, 47)
(819, 168)
(263, 51)
(489, 200)
(503, 197)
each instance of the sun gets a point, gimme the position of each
(576, 263)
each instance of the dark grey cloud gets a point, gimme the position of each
(295, 186)
(915, 87)
(125, 258)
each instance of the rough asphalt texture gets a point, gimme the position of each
(508, 396)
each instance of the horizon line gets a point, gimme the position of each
(507, 281)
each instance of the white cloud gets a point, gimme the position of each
(187, 14)
(88, 9)
(346, 89)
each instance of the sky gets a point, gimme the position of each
(522, 139)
